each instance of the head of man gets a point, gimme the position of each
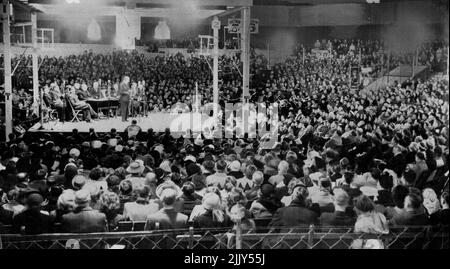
(168, 197)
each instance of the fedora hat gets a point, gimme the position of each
(168, 185)
(82, 198)
(135, 168)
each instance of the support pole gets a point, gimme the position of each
(216, 27)
(7, 66)
(36, 97)
(245, 22)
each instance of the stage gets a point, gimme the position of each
(157, 121)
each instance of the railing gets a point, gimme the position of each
(426, 237)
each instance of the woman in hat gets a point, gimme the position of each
(267, 203)
(64, 205)
(213, 216)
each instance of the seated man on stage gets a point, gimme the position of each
(56, 101)
(82, 92)
(138, 99)
(88, 112)
(95, 90)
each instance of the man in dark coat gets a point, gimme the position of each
(339, 216)
(32, 220)
(167, 217)
(124, 93)
(84, 219)
(413, 214)
(296, 213)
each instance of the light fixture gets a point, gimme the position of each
(373, 1)
(72, 1)
(162, 31)
(93, 31)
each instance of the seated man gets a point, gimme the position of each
(77, 104)
(54, 100)
(95, 90)
(82, 93)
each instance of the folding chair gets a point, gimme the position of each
(75, 112)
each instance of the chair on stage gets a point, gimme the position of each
(77, 113)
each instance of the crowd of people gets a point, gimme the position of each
(371, 160)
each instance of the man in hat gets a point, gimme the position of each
(135, 170)
(32, 220)
(167, 217)
(84, 219)
(339, 216)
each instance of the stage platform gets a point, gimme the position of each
(157, 121)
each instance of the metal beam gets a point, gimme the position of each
(216, 66)
(34, 56)
(245, 24)
(7, 65)
(173, 3)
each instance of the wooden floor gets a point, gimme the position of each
(158, 121)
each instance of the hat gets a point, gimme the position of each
(74, 153)
(66, 198)
(82, 197)
(159, 149)
(190, 158)
(135, 168)
(79, 181)
(118, 148)
(96, 144)
(168, 185)
(341, 197)
(112, 142)
(86, 144)
(211, 201)
(235, 166)
(165, 166)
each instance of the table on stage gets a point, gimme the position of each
(103, 103)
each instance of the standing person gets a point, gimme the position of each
(124, 91)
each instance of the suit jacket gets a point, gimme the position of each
(124, 92)
(294, 215)
(410, 218)
(167, 219)
(206, 220)
(34, 222)
(86, 220)
(337, 218)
